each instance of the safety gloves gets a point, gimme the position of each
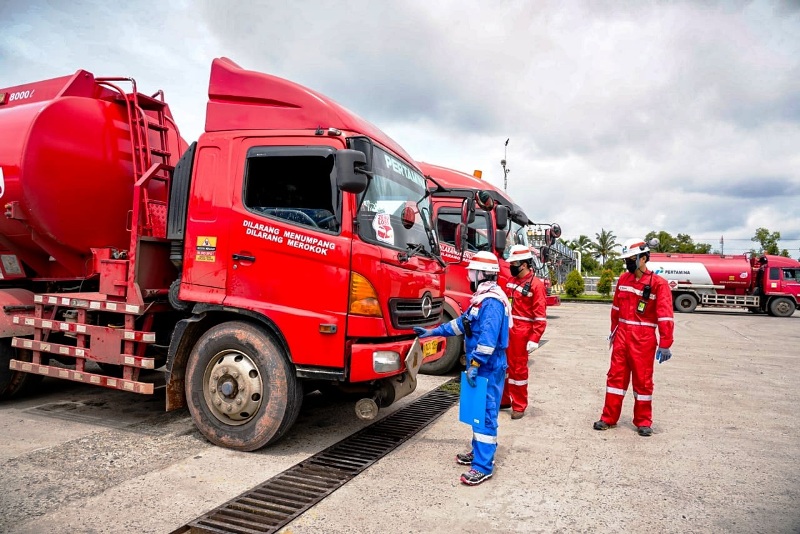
(472, 372)
(663, 355)
(422, 332)
(531, 346)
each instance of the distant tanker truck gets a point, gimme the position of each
(764, 283)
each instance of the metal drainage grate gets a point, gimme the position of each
(281, 499)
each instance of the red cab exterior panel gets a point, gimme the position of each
(290, 247)
(759, 283)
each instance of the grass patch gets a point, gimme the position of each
(451, 386)
(596, 298)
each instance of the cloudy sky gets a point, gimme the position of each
(630, 116)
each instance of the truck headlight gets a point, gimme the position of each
(385, 361)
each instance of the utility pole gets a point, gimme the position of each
(505, 169)
(721, 245)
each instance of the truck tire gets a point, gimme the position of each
(781, 307)
(14, 383)
(452, 352)
(685, 303)
(241, 389)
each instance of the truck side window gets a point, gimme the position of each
(774, 273)
(298, 189)
(477, 233)
(789, 274)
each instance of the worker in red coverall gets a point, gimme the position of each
(529, 309)
(642, 304)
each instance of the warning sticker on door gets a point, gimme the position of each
(206, 249)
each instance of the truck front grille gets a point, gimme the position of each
(414, 312)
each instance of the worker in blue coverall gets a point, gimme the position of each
(485, 326)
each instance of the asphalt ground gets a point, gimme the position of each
(724, 457)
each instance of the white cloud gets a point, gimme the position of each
(628, 116)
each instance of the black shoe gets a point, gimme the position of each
(645, 431)
(601, 425)
(464, 458)
(473, 478)
(505, 406)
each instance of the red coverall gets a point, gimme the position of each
(634, 344)
(529, 310)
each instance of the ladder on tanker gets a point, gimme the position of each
(112, 327)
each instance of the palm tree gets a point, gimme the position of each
(605, 245)
(582, 244)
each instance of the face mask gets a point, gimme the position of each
(631, 264)
(474, 280)
(514, 270)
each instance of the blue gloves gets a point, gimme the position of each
(422, 332)
(663, 355)
(472, 372)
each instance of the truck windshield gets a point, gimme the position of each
(396, 188)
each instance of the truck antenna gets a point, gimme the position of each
(505, 169)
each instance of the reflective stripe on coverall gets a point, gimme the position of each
(634, 344)
(487, 345)
(530, 320)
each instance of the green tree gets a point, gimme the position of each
(617, 265)
(666, 243)
(682, 243)
(604, 245)
(589, 265)
(768, 241)
(574, 284)
(581, 243)
(605, 282)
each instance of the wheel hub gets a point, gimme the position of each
(232, 387)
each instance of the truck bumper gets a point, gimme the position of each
(553, 300)
(381, 360)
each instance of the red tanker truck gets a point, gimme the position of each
(291, 247)
(763, 283)
(495, 230)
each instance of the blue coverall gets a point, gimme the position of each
(487, 345)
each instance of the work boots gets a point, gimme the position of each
(601, 425)
(645, 431)
(473, 478)
(464, 458)
(517, 415)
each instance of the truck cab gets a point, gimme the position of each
(290, 248)
(496, 228)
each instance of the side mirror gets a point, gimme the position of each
(461, 238)
(555, 230)
(549, 238)
(351, 175)
(484, 200)
(467, 212)
(544, 252)
(499, 241)
(501, 217)
(408, 217)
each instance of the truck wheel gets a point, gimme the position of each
(452, 351)
(241, 388)
(14, 383)
(781, 307)
(685, 303)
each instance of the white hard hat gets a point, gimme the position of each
(484, 261)
(634, 247)
(519, 253)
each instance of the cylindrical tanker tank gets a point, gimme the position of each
(67, 173)
(728, 273)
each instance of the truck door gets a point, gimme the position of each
(478, 239)
(791, 281)
(289, 257)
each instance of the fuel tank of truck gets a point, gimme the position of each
(732, 273)
(66, 173)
